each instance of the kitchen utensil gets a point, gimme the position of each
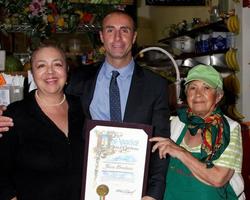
(218, 60)
(203, 60)
(189, 62)
(185, 44)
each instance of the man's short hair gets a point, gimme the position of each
(120, 12)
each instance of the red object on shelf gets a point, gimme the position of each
(2, 80)
(246, 3)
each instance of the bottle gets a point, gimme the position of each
(214, 15)
(223, 6)
(2, 60)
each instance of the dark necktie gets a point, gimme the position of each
(114, 98)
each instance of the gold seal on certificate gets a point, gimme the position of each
(102, 190)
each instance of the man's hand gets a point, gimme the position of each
(5, 122)
(148, 198)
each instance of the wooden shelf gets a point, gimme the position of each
(25, 74)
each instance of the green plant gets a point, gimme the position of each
(40, 18)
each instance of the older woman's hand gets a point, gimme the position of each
(166, 146)
(216, 176)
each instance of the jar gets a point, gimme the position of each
(73, 22)
(75, 45)
(214, 15)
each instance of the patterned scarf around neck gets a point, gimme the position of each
(215, 133)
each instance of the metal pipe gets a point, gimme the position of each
(178, 79)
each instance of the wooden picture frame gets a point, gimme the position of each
(116, 160)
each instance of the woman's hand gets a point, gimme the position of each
(166, 146)
(14, 198)
(215, 176)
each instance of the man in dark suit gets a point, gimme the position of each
(143, 94)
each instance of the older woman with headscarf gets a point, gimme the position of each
(205, 145)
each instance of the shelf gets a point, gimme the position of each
(27, 28)
(73, 53)
(219, 26)
(25, 74)
(120, 2)
(191, 55)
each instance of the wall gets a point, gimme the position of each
(153, 21)
(243, 44)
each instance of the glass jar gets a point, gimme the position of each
(75, 45)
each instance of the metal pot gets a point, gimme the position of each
(185, 44)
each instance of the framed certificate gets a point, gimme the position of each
(116, 160)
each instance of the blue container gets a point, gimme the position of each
(205, 43)
(219, 41)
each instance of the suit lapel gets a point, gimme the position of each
(88, 93)
(134, 97)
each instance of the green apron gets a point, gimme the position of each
(182, 185)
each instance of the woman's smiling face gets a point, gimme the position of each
(201, 98)
(49, 70)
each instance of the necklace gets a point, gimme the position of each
(45, 104)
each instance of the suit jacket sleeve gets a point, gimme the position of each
(78, 77)
(160, 121)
